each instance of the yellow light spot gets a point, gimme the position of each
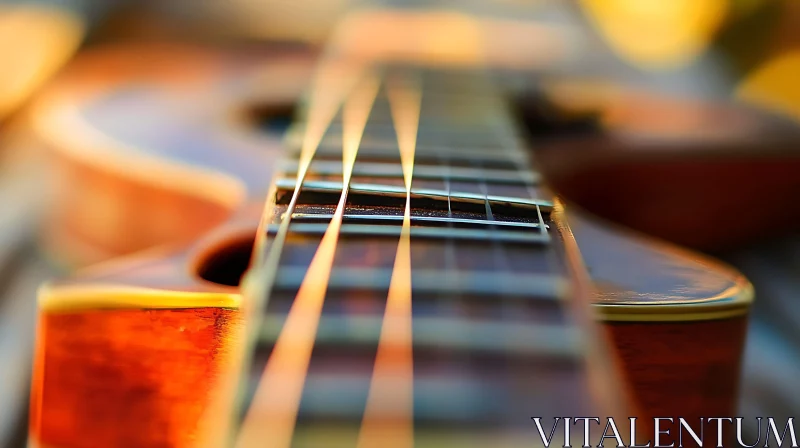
(34, 42)
(774, 85)
(657, 34)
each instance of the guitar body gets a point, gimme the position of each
(107, 174)
(654, 152)
(147, 350)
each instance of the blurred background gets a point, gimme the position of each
(734, 201)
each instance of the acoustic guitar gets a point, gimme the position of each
(410, 280)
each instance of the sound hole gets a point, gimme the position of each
(226, 263)
(270, 118)
(545, 119)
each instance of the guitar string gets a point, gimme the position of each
(388, 416)
(402, 270)
(393, 428)
(329, 85)
(273, 412)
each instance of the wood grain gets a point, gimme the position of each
(152, 369)
(681, 369)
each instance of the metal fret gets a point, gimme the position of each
(368, 230)
(286, 184)
(441, 221)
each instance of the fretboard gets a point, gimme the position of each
(472, 178)
(435, 310)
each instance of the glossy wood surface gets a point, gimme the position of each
(127, 377)
(714, 203)
(681, 369)
(676, 168)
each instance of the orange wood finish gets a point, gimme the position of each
(153, 369)
(680, 369)
(99, 214)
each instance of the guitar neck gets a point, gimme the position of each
(457, 250)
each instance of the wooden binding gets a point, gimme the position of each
(681, 369)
